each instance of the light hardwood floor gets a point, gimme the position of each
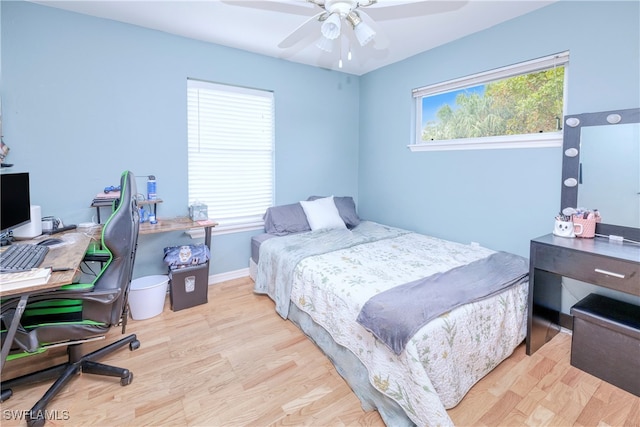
(235, 362)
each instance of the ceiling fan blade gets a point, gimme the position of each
(303, 30)
(380, 41)
(379, 12)
(300, 7)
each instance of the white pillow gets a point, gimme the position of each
(322, 213)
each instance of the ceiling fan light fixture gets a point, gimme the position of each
(364, 33)
(325, 44)
(331, 27)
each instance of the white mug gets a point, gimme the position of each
(566, 229)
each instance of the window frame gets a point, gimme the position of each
(533, 140)
(234, 224)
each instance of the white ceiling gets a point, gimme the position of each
(259, 26)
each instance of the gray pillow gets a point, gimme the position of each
(285, 219)
(346, 208)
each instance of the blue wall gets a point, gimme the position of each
(500, 198)
(84, 98)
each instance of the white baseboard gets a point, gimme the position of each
(229, 275)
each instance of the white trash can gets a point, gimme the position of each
(146, 296)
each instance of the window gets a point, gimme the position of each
(230, 152)
(516, 106)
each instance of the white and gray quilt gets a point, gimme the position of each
(331, 274)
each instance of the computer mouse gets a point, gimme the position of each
(50, 242)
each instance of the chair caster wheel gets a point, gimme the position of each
(134, 345)
(6, 394)
(126, 380)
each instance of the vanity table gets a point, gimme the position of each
(613, 265)
(600, 170)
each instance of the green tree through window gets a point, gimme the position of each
(523, 104)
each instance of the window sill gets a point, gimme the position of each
(542, 140)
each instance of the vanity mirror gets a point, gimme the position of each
(601, 168)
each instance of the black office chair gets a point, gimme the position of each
(78, 313)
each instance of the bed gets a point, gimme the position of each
(328, 280)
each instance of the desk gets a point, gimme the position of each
(166, 225)
(612, 265)
(63, 256)
(179, 224)
(72, 254)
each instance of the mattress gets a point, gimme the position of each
(330, 275)
(256, 241)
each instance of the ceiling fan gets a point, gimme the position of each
(334, 19)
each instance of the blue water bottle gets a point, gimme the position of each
(151, 188)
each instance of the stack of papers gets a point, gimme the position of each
(20, 279)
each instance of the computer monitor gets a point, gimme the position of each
(15, 202)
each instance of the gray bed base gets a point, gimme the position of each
(351, 369)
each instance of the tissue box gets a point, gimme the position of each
(198, 212)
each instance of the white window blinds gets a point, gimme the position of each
(230, 152)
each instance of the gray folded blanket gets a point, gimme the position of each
(396, 314)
